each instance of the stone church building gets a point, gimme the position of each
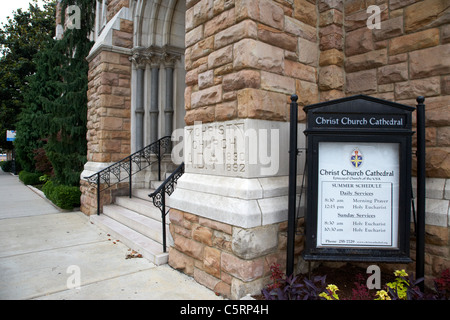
(208, 72)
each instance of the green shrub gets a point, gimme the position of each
(29, 178)
(65, 197)
(6, 165)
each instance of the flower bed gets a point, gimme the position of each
(349, 283)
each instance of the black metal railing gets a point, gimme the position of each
(159, 197)
(123, 169)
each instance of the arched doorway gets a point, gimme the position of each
(158, 75)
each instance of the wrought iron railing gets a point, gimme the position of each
(159, 197)
(123, 169)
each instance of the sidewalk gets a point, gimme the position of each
(44, 252)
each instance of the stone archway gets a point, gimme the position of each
(158, 72)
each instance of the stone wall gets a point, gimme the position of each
(407, 57)
(109, 106)
(245, 56)
(230, 260)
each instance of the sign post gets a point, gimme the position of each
(359, 180)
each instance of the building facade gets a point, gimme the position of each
(218, 74)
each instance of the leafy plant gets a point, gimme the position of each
(405, 287)
(29, 178)
(330, 292)
(442, 285)
(65, 197)
(361, 291)
(291, 288)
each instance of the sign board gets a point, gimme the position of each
(10, 135)
(359, 179)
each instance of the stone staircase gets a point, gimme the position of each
(136, 222)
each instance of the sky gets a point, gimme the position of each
(8, 6)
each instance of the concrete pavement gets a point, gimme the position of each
(49, 254)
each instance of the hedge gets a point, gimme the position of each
(29, 178)
(6, 165)
(65, 197)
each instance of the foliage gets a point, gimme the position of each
(20, 39)
(53, 125)
(65, 197)
(442, 285)
(6, 165)
(330, 292)
(404, 287)
(289, 288)
(360, 291)
(29, 178)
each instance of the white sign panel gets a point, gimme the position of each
(10, 135)
(358, 191)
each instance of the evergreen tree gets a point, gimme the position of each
(20, 39)
(65, 118)
(57, 100)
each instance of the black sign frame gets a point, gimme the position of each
(359, 119)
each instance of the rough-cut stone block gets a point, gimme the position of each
(220, 57)
(226, 111)
(203, 235)
(255, 242)
(271, 14)
(414, 41)
(249, 53)
(330, 4)
(246, 270)
(393, 73)
(362, 81)
(300, 71)
(331, 57)
(277, 83)
(426, 13)
(305, 12)
(308, 52)
(190, 247)
(358, 41)
(202, 114)
(389, 29)
(180, 261)
(244, 29)
(211, 261)
(261, 104)
(194, 36)
(300, 29)
(331, 37)
(206, 97)
(422, 87)
(430, 62)
(202, 48)
(331, 77)
(369, 60)
(220, 22)
(332, 16)
(308, 92)
(241, 79)
(277, 38)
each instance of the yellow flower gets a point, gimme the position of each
(382, 295)
(331, 293)
(400, 273)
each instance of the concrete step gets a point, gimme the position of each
(141, 206)
(147, 226)
(149, 248)
(142, 193)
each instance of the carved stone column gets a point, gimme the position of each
(169, 60)
(140, 60)
(154, 98)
